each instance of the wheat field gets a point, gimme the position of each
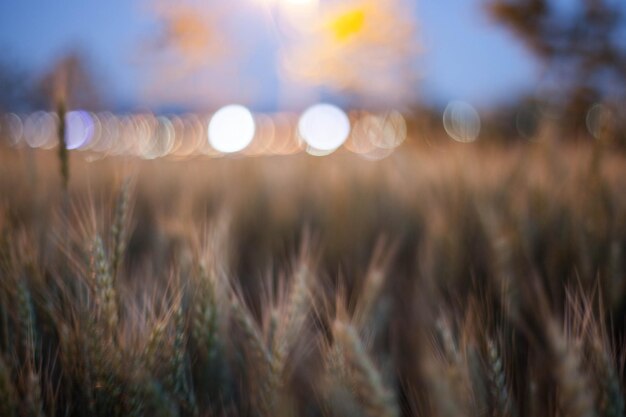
(457, 280)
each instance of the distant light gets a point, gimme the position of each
(40, 130)
(318, 152)
(264, 136)
(231, 129)
(348, 24)
(298, 16)
(96, 135)
(598, 120)
(13, 128)
(160, 141)
(303, 5)
(324, 128)
(461, 121)
(80, 127)
(387, 130)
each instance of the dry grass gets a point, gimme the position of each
(453, 281)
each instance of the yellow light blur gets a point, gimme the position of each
(361, 46)
(348, 23)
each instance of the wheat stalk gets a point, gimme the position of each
(26, 319)
(106, 298)
(377, 399)
(575, 397)
(205, 315)
(8, 396)
(119, 228)
(177, 380)
(497, 382)
(33, 402)
(63, 151)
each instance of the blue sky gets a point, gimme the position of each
(464, 55)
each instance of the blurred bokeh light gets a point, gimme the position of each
(324, 128)
(599, 120)
(80, 129)
(461, 121)
(231, 129)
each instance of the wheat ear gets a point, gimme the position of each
(377, 399)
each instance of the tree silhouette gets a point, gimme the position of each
(583, 44)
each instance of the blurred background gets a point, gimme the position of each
(475, 68)
(478, 268)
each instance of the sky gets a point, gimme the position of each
(463, 56)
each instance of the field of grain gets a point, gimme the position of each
(458, 280)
